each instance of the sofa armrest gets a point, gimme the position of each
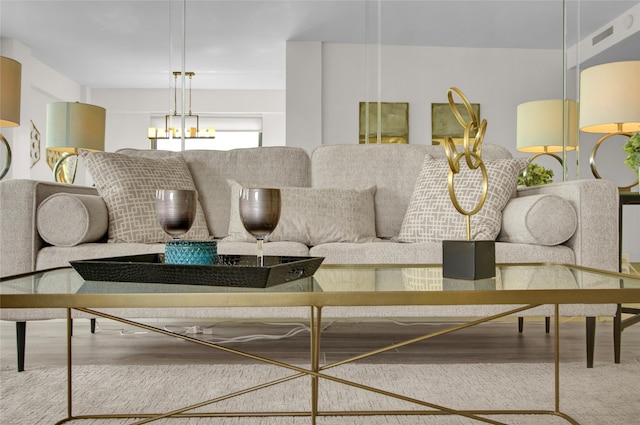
(596, 240)
(19, 238)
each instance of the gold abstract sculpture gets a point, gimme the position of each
(472, 154)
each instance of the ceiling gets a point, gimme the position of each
(240, 44)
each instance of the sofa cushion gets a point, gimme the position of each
(128, 186)
(314, 216)
(66, 219)
(538, 219)
(431, 215)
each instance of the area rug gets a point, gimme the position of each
(606, 394)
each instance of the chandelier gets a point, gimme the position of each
(173, 132)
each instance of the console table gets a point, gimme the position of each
(514, 289)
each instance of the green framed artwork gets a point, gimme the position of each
(444, 123)
(394, 122)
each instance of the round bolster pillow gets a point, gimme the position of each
(66, 219)
(538, 219)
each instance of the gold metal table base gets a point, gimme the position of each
(316, 373)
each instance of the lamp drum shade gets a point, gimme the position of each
(544, 126)
(72, 126)
(609, 98)
(10, 88)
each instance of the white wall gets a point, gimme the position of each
(498, 79)
(304, 107)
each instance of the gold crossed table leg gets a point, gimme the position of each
(316, 373)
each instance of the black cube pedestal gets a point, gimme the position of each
(468, 259)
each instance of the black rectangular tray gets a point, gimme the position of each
(231, 270)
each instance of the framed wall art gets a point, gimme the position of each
(444, 123)
(394, 122)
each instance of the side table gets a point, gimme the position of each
(620, 325)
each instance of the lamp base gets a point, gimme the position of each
(65, 169)
(7, 159)
(470, 260)
(592, 159)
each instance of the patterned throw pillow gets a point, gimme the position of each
(314, 216)
(431, 216)
(128, 186)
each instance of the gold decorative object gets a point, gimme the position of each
(467, 259)
(387, 124)
(471, 154)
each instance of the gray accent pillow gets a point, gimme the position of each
(128, 186)
(66, 219)
(538, 219)
(431, 216)
(314, 216)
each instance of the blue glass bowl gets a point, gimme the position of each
(191, 252)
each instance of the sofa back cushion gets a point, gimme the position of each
(268, 166)
(392, 168)
(314, 216)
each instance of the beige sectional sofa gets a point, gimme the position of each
(569, 222)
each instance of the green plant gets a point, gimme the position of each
(632, 148)
(536, 175)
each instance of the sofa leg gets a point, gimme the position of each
(547, 324)
(591, 337)
(617, 334)
(520, 324)
(21, 333)
(93, 326)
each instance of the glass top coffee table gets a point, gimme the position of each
(516, 287)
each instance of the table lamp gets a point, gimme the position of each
(70, 128)
(545, 127)
(610, 103)
(10, 88)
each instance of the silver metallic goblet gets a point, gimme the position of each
(176, 210)
(260, 213)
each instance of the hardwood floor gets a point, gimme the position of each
(118, 344)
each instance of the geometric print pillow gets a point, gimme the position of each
(128, 186)
(431, 216)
